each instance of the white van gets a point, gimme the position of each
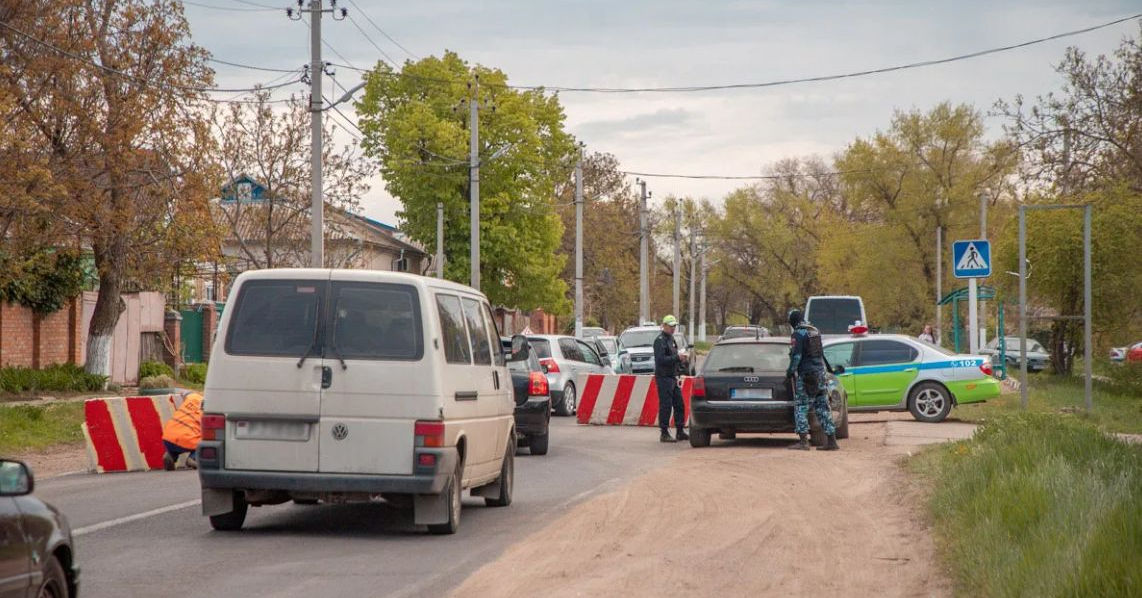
(356, 385)
(833, 314)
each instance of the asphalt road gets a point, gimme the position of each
(141, 534)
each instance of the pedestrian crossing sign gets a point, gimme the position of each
(971, 259)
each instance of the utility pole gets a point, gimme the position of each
(316, 67)
(693, 272)
(440, 239)
(702, 295)
(973, 284)
(644, 249)
(474, 179)
(579, 248)
(677, 258)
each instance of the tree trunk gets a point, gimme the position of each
(108, 306)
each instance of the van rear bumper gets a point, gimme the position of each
(424, 480)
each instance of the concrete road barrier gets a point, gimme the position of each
(622, 399)
(126, 433)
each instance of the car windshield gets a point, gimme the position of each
(638, 338)
(833, 316)
(747, 358)
(611, 344)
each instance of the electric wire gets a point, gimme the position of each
(226, 8)
(378, 28)
(251, 67)
(370, 40)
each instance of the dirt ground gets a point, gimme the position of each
(55, 461)
(742, 518)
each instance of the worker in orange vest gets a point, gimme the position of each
(183, 432)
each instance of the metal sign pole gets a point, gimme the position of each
(1086, 304)
(1023, 306)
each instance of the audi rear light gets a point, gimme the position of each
(429, 434)
(537, 386)
(549, 363)
(699, 388)
(213, 426)
(985, 367)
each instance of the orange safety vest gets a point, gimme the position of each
(185, 428)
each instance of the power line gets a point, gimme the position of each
(265, 6)
(251, 67)
(228, 8)
(370, 40)
(378, 28)
(760, 177)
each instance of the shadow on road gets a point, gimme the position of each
(361, 520)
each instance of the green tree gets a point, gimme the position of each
(415, 125)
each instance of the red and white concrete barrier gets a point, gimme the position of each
(623, 399)
(126, 433)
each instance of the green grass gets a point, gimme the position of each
(1038, 505)
(1117, 405)
(36, 427)
(55, 378)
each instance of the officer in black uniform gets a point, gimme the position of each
(807, 370)
(668, 365)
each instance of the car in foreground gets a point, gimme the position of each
(564, 358)
(532, 400)
(732, 332)
(1037, 356)
(37, 555)
(636, 349)
(742, 389)
(893, 372)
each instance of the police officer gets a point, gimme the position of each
(668, 363)
(807, 369)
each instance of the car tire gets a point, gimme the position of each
(305, 501)
(453, 490)
(699, 437)
(728, 435)
(568, 403)
(54, 584)
(930, 402)
(507, 480)
(538, 444)
(232, 521)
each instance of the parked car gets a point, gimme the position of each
(564, 358)
(348, 384)
(743, 332)
(593, 331)
(636, 349)
(532, 400)
(1037, 356)
(894, 372)
(37, 555)
(609, 350)
(742, 389)
(833, 314)
(1134, 355)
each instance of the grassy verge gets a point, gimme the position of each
(66, 378)
(36, 427)
(1117, 407)
(1038, 505)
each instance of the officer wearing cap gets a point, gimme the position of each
(807, 369)
(668, 363)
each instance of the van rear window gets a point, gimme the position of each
(376, 321)
(275, 317)
(833, 316)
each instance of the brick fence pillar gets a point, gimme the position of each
(209, 325)
(172, 328)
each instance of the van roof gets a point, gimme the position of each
(358, 275)
(834, 297)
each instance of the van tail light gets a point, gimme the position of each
(537, 386)
(699, 387)
(213, 426)
(985, 367)
(549, 363)
(429, 434)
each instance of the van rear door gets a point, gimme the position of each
(380, 383)
(267, 373)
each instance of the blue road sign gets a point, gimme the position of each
(971, 259)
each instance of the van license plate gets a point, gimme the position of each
(271, 430)
(751, 393)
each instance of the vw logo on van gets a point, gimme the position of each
(340, 431)
(752, 379)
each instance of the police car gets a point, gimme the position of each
(892, 372)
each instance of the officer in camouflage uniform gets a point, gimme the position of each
(807, 369)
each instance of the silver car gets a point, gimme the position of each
(1037, 356)
(636, 349)
(564, 358)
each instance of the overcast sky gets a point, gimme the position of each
(643, 43)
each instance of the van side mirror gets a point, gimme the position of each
(15, 479)
(838, 369)
(520, 348)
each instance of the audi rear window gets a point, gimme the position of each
(747, 358)
(275, 317)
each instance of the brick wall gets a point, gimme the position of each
(28, 340)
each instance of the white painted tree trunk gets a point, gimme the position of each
(99, 355)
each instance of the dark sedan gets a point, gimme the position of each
(742, 388)
(36, 554)
(532, 401)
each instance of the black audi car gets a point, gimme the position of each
(532, 401)
(742, 388)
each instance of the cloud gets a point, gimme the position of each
(645, 124)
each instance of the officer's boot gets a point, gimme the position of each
(802, 444)
(830, 444)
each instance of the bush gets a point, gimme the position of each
(195, 373)
(1040, 505)
(1126, 377)
(160, 381)
(66, 377)
(154, 368)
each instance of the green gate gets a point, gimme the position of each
(191, 332)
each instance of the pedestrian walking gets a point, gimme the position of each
(927, 335)
(183, 432)
(807, 372)
(668, 365)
